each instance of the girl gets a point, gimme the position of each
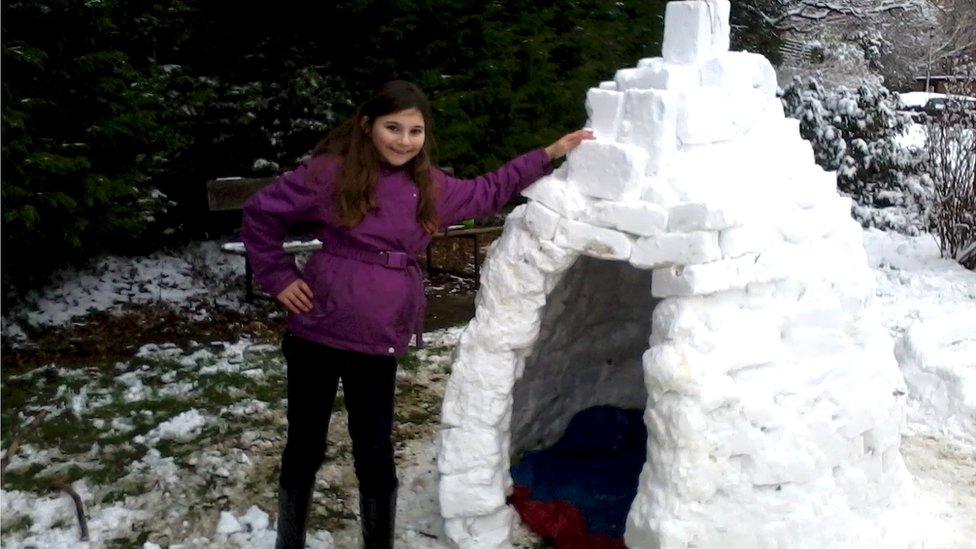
(374, 196)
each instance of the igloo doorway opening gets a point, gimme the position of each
(594, 330)
(586, 368)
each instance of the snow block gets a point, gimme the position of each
(675, 249)
(517, 328)
(695, 30)
(485, 408)
(527, 252)
(672, 371)
(632, 78)
(658, 190)
(540, 220)
(639, 218)
(476, 492)
(558, 195)
(721, 25)
(604, 109)
(740, 70)
(608, 85)
(592, 241)
(708, 278)
(655, 74)
(464, 449)
(489, 384)
(779, 461)
(814, 188)
(519, 284)
(812, 224)
(737, 241)
(607, 170)
(650, 122)
(707, 115)
(482, 532)
(699, 217)
(752, 109)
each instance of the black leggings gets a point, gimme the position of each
(368, 384)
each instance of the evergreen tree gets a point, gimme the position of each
(751, 30)
(115, 113)
(84, 133)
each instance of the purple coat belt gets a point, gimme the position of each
(367, 286)
(390, 260)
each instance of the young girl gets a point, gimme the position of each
(374, 196)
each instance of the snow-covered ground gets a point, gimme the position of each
(929, 306)
(196, 279)
(179, 447)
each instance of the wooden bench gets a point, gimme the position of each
(473, 234)
(230, 193)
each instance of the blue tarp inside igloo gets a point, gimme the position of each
(594, 467)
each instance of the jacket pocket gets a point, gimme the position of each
(317, 277)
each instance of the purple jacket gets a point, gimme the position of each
(358, 305)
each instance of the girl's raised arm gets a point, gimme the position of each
(460, 199)
(463, 199)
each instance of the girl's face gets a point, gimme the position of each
(399, 136)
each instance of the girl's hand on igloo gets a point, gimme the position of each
(567, 143)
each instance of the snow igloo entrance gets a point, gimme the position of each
(586, 368)
(593, 333)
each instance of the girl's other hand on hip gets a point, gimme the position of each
(297, 297)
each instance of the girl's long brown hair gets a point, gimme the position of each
(361, 162)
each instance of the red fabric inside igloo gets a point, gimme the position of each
(559, 521)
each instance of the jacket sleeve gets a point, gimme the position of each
(461, 199)
(295, 197)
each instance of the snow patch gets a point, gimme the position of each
(938, 359)
(181, 428)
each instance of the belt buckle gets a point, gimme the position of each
(396, 260)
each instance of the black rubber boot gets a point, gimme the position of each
(292, 516)
(377, 515)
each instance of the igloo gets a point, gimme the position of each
(692, 261)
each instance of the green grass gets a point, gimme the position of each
(410, 363)
(332, 506)
(23, 480)
(19, 525)
(27, 395)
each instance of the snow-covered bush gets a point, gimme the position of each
(855, 133)
(952, 165)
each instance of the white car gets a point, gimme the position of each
(920, 104)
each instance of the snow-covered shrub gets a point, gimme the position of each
(952, 165)
(875, 46)
(855, 133)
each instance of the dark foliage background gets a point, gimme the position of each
(116, 113)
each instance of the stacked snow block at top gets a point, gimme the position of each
(695, 31)
(697, 93)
